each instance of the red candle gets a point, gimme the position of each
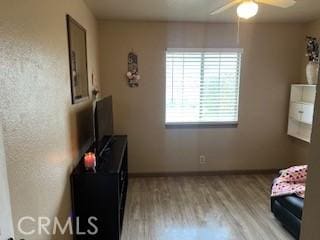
(90, 160)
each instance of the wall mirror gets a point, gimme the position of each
(77, 44)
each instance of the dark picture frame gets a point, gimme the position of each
(78, 65)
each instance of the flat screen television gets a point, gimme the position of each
(84, 125)
(103, 124)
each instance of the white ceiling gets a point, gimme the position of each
(197, 10)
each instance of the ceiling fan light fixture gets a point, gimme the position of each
(247, 9)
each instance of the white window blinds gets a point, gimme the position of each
(202, 86)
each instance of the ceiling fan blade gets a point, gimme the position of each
(278, 3)
(225, 7)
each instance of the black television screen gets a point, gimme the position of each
(84, 128)
(103, 123)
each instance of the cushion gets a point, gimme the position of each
(288, 220)
(293, 204)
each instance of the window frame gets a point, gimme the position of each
(213, 124)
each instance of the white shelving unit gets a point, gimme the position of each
(301, 111)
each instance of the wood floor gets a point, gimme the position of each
(201, 208)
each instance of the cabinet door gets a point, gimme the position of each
(307, 115)
(296, 110)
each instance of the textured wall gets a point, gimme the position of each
(6, 228)
(40, 124)
(271, 62)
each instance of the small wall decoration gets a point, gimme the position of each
(132, 74)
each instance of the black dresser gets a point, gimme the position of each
(101, 195)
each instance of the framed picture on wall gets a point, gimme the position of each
(77, 43)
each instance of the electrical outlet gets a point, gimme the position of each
(202, 159)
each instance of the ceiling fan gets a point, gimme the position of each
(249, 8)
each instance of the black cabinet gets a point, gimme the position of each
(99, 198)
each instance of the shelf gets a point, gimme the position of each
(303, 103)
(303, 138)
(299, 121)
(301, 111)
(304, 85)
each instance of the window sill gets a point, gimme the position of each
(203, 125)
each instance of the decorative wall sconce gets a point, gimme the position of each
(132, 74)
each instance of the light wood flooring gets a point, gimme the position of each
(201, 208)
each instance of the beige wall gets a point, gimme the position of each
(271, 62)
(311, 211)
(6, 228)
(302, 149)
(39, 122)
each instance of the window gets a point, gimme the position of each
(202, 86)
